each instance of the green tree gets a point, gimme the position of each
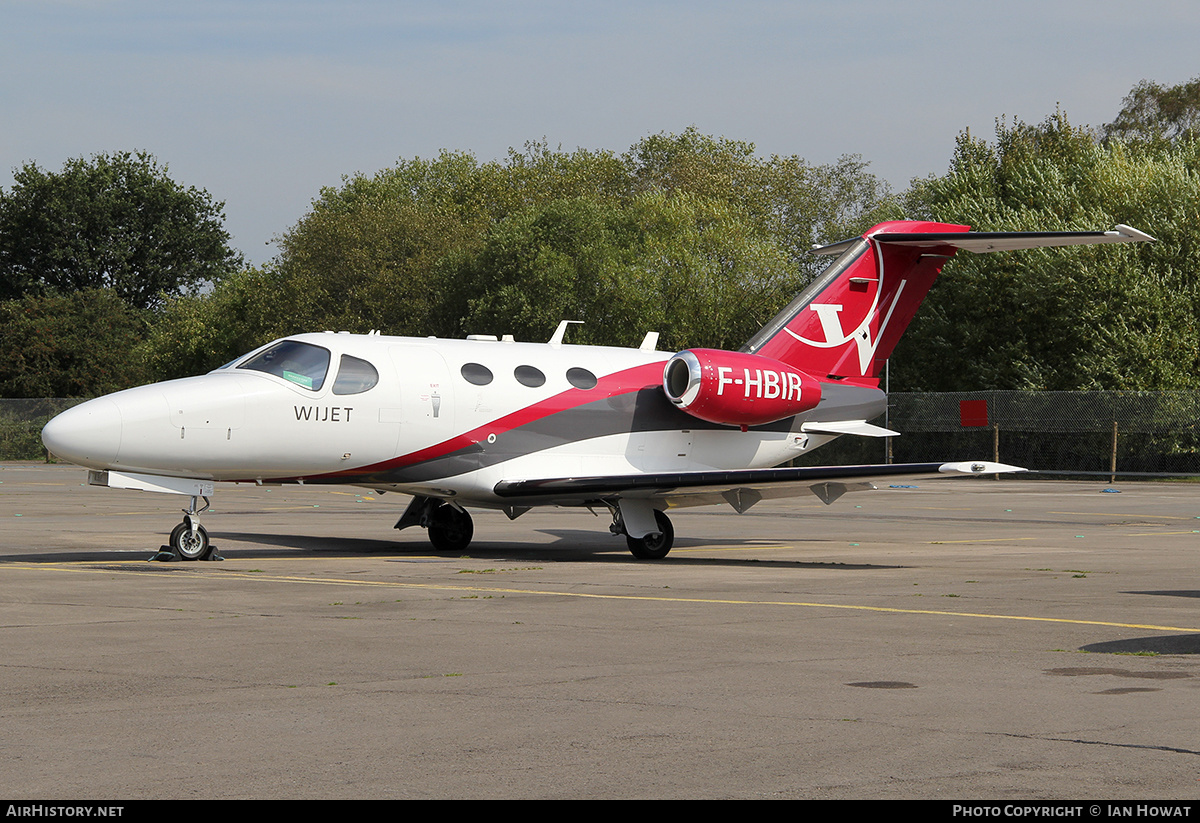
(391, 251)
(693, 236)
(72, 345)
(705, 276)
(1097, 317)
(194, 334)
(1159, 114)
(115, 221)
(365, 256)
(683, 265)
(785, 198)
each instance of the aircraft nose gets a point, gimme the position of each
(88, 434)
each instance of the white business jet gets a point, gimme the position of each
(499, 424)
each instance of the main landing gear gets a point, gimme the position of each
(655, 545)
(449, 526)
(656, 540)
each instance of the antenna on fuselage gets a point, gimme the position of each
(556, 339)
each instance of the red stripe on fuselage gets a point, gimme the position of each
(647, 375)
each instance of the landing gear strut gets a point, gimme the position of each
(189, 540)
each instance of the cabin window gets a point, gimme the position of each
(581, 378)
(355, 376)
(529, 376)
(476, 373)
(301, 363)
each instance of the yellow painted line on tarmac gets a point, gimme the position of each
(88, 568)
(981, 540)
(1132, 514)
(275, 509)
(1155, 534)
(39, 515)
(1001, 539)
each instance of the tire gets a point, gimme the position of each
(655, 545)
(450, 529)
(189, 546)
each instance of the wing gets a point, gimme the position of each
(740, 488)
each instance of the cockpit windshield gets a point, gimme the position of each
(301, 363)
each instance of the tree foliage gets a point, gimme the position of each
(1098, 317)
(72, 345)
(682, 264)
(690, 235)
(1158, 114)
(196, 333)
(703, 240)
(116, 221)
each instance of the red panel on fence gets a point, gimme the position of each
(973, 412)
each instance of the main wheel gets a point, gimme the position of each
(190, 546)
(450, 529)
(655, 545)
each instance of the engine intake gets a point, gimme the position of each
(736, 388)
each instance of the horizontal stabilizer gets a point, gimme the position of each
(859, 427)
(980, 242)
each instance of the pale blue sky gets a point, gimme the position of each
(263, 102)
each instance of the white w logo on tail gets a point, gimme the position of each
(828, 314)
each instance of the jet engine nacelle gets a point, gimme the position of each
(736, 388)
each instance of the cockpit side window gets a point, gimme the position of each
(301, 363)
(355, 376)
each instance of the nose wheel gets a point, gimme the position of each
(189, 540)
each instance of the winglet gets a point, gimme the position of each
(978, 467)
(1130, 233)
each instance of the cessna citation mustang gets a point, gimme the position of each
(497, 424)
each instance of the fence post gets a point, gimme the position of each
(1112, 463)
(995, 447)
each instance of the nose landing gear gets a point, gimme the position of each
(189, 540)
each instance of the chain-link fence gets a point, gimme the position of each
(1126, 433)
(1062, 432)
(21, 422)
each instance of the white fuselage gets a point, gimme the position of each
(431, 423)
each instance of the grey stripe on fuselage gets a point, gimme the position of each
(646, 410)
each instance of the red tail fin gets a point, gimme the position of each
(846, 323)
(848, 320)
